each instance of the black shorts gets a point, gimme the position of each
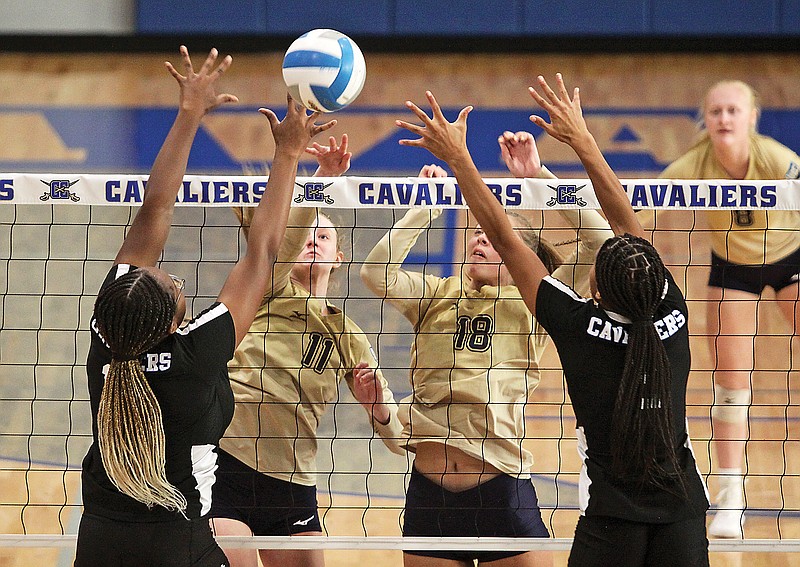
(269, 506)
(754, 278)
(180, 543)
(600, 541)
(501, 507)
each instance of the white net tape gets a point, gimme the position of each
(57, 244)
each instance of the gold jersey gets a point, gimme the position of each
(746, 237)
(286, 373)
(475, 353)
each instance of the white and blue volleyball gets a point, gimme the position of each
(324, 70)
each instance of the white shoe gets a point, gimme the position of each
(728, 524)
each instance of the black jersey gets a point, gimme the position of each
(591, 344)
(188, 374)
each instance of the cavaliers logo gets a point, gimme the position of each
(566, 195)
(314, 192)
(59, 189)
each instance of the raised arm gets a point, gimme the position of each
(334, 160)
(448, 142)
(382, 270)
(521, 157)
(567, 125)
(245, 287)
(148, 233)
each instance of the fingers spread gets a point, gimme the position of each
(419, 112)
(538, 98)
(416, 129)
(462, 116)
(548, 91)
(562, 89)
(208, 64)
(322, 127)
(273, 119)
(173, 71)
(437, 110)
(291, 106)
(225, 65)
(187, 62)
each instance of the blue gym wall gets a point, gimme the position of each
(126, 139)
(401, 18)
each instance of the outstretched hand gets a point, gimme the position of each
(333, 159)
(520, 154)
(446, 140)
(566, 117)
(198, 95)
(295, 131)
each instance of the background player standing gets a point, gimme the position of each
(750, 250)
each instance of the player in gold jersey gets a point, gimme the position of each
(473, 369)
(750, 250)
(625, 354)
(284, 375)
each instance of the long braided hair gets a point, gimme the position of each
(133, 314)
(631, 279)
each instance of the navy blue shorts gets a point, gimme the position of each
(181, 543)
(601, 540)
(754, 278)
(501, 507)
(269, 506)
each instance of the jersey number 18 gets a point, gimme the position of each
(474, 333)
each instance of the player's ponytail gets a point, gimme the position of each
(631, 279)
(133, 314)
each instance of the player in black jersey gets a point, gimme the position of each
(625, 355)
(160, 396)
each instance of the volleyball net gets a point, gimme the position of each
(59, 234)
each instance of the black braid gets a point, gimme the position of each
(631, 279)
(133, 313)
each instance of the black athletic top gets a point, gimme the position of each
(591, 344)
(188, 374)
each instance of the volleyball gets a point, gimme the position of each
(324, 70)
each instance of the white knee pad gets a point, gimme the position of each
(730, 406)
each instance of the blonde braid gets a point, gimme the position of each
(133, 314)
(131, 437)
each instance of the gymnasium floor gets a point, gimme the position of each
(44, 497)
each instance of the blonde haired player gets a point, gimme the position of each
(284, 375)
(473, 368)
(750, 250)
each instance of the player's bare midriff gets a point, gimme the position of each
(452, 468)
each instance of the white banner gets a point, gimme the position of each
(399, 192)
